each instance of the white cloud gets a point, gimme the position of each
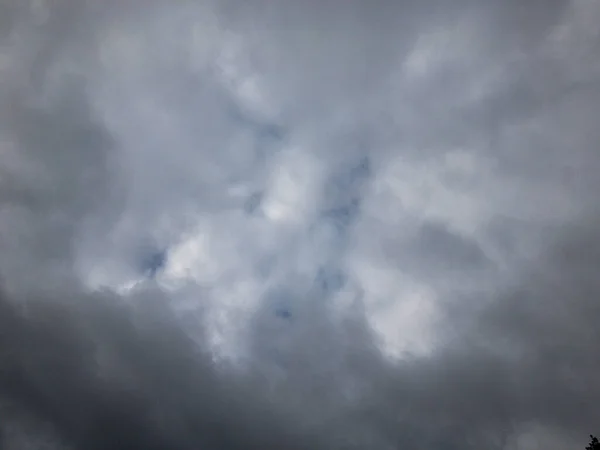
(186, 95)
(295, 159)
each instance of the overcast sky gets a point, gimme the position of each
(302, 225)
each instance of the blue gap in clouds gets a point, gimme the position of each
(344, 194)
(283, 313)
(329, 279)
(342, 197)
(153, 261)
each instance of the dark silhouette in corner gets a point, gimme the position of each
(594, 444)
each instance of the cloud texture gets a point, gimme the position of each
(299, 225)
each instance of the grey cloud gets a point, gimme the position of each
(56, 152)
(63, 153)
(154, 389)
(526, 359)
(477, 390)
(437, 248)
(140, 139)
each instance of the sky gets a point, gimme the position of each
(299, 225)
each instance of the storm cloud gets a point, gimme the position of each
(299, 225)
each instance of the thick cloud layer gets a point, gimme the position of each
(299, 225)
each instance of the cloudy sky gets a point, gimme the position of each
(299, 224)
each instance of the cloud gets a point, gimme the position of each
(298, 225)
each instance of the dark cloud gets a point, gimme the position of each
(106, 376)
(104, 382)
(436, 144)
(528, 358)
